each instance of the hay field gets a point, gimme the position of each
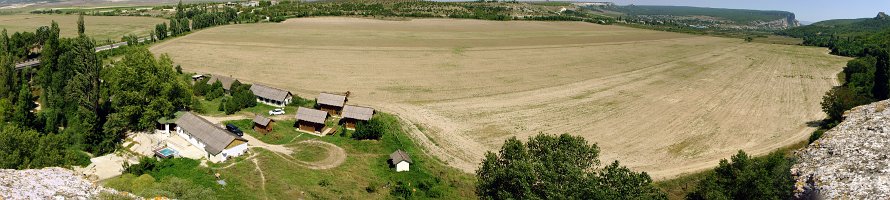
(660, 102)
(100, 28)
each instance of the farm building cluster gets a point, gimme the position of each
(218, 144)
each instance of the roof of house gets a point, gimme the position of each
(215, 138)
(259, 119)
(269, 92)
(331, 99)
(358, 112)
(311, 115)
(399, 156)
(225, 80)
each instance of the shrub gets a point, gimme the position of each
(371, 130)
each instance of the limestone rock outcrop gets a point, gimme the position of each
(850, 161)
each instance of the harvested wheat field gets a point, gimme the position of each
(665, 103)
(100, 28)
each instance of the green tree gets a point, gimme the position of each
(24, 107)
(215, 91)
(81, 28)
(748, 178)
(840, 99)
(558, 167)
(371, 130)
(881, 88)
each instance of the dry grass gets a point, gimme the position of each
(100, 28)
(661, 102)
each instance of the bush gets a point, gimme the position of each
(748, 178)
(371, 130)
(815, 136)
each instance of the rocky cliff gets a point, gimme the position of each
(47, 183)
(850, 161)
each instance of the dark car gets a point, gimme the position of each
(234, 129)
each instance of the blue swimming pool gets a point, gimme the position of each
(166, 152)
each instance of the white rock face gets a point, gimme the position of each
(850, 161)
(47, 183)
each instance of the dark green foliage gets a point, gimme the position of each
(749, 39)
(161, 31)
(179, 178)
(371, 130)
(81, 29)
(815, 136)
(179, 69)
(25, 149)
(200, 88)
(558, 167)
(241, 97)
(145, 89)
(748, 178)
(880, 89)
(840, 99)
(214, 91)
(740, 16)
(401, 191)
(211, 19)
(846, 38)
(132, 40)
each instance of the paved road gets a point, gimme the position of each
(36, 62)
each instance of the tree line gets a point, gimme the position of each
(72, 106)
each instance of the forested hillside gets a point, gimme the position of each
(845, 37)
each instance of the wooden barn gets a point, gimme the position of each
(310, 120)
(354, 114)
(331, 103)
(262, 124)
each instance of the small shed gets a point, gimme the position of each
(331, 103)
(310, 120)
(262, 124)
(354, 114)
(400, 160)
(198, 77)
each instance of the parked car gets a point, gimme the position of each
(234, 129)
(277, 111)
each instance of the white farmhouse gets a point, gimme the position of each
(219, 144)
(400, 160)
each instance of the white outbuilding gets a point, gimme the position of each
(400, 160)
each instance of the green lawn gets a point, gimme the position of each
(364, 175)
(283, 132)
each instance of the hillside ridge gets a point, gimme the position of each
(850, 161)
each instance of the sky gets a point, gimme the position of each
(804, 10)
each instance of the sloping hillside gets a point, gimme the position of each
(850, 161)
(845, 37)
(710, 17)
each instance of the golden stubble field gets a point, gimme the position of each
(660, 102)
(100, 28)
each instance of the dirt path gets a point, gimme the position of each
(262, 177)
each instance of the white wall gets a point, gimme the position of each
(402, 166)
(194, 141)
(230, 152)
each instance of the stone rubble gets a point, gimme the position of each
(47, 183)
(850, 161)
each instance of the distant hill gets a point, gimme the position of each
(837, 22)
(847, 37)
(711, 17)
